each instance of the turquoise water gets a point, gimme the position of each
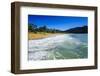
(64, 46)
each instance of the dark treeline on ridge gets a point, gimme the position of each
(35, 29)
(83, 29)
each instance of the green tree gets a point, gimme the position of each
(42, 29)
(32, 28)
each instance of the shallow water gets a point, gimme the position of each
(64, 46)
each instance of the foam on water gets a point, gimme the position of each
(45, 49)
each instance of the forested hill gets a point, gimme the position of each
(83, 29)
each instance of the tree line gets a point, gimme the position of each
(35, 29)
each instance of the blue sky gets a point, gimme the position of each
(58, 22)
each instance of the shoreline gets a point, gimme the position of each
(42, 35)
(33, 36)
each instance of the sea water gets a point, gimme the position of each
(63, 46)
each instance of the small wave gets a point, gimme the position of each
(43, 47)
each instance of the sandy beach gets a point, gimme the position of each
(32, 36)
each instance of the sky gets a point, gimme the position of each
(57, 22)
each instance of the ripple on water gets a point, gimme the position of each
(57, 47)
